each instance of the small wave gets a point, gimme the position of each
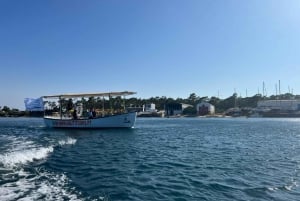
(67, 141)
(55, 189)
(291, 185)
(24, 156)
(288, 187)
(272, 188)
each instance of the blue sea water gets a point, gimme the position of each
(159, 159)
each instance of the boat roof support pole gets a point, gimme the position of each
(124, 103)
(110, 104)
(44, 107)
(60, 108)
(103, 101)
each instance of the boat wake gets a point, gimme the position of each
(40, 186)
(68, 141)
(22, 177)
(15, 158)
(25, 152)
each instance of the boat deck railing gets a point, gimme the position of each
(69, 116)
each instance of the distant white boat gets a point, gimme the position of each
(64, 118)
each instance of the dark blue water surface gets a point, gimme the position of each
(159, 159)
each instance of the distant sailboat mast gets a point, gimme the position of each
(263, 90)
(279, 88)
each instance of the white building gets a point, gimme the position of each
(149, 107)
(291, 105)
(204, 108)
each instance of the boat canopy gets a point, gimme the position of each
(106, 94)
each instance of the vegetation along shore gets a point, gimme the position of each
(222, 106)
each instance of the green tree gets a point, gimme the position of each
(214, 101)
(189, 111)
(6, 109)
(192, 99)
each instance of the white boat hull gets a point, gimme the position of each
(126, 120)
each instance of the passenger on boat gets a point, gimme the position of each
(90, 114)
(94, 113)
(75, 114)
(70, 106)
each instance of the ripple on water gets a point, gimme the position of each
(161, 159)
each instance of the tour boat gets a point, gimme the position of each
(76, 117)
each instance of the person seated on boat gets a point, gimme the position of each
(70, 106)
(94, 113)
(75, 114)
(90, 114)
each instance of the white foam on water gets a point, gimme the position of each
(44, 186)
(22, 151)
(15, 143)
(26, 186)
(291, 185)
(14, 158)
(272, 188)
(56, 190)
(67, 141)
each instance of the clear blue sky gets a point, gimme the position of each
(157, 48)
